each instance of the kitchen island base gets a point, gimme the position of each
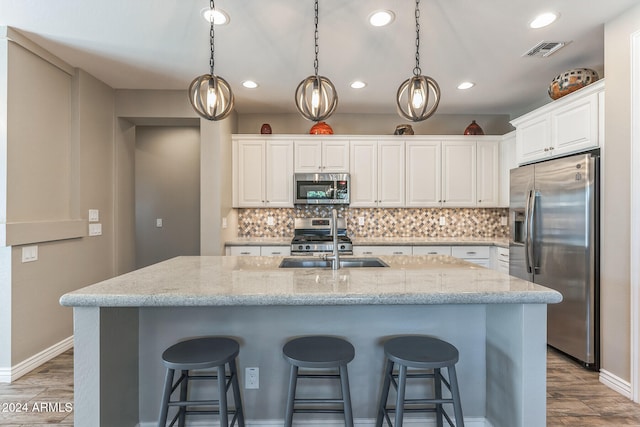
(501, 371)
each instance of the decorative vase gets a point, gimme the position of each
(473, 129)
(570, 81)
(403, 130)
(321, 128)
(265, 129)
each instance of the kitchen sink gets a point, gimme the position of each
(321, 263)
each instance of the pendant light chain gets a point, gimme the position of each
(417, 71)
(211, 38)
(315, 36)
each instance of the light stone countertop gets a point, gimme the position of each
(257, 281)
(381, 241)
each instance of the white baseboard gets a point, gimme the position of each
(362, 422)
(615, 383)
(8, 375)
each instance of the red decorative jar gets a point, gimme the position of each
(321, 128)
(473, 129)
(265, 129)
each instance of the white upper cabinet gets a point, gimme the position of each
(377, 173)
(321, 156)
(423, 173)
(459, 173)
(507, 162)
(262, 173)
(568, 125)
(488, 173)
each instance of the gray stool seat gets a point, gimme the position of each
(423, 353)
(318, 352)
(198, 354)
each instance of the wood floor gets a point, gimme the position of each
(575, 397)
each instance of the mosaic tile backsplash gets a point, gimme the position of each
(460, 222)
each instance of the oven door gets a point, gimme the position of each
(321, 189)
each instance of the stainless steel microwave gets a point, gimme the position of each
(321, 188)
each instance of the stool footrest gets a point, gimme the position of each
(317, 376)
(318, 401)
(318, 411)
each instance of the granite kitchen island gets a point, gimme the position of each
(122, 325)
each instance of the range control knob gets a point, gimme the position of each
(307, 247)
(300, 247)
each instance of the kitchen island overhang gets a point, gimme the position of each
(122, 325)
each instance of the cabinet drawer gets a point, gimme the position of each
(470, 252)
(275, 251)
(503, 254)
(382, 250)
(432, 250)
(244, 250)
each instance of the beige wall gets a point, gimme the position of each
(57, 170)
(615, 245)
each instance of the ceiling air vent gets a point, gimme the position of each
(544, 49)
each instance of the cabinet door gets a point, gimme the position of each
(391, 173)
(459, 173)
(250, 173)
(335, 156)
(507, 162)
(574, 127)
(423, 173)
(533, 139)
(279, 174)
(488, 173)
(308, 156)
(364, 182)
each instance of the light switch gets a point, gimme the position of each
(94, 215)
(159, 222)
(29, 253)
(95, 229)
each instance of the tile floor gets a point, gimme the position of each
(574, 397)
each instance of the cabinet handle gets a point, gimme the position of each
(398, 253)
(276, 253)
(367, 253)
(432, 253)
(479, 201)
(546, 149)
(471, 253)
(550, 148)
(245, 253)
(504, 255)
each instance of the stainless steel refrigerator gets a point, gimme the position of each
(554, 227)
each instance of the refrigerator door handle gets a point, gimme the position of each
(527, 237)
(532, 232)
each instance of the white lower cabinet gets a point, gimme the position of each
(258, 250)
(500, 259)
(432, 250)
(480, 255)
(382, 250)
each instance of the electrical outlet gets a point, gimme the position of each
(251, 378)
(224, 222)
(360, 220)
(443, 220)
(95, 229)
(271, 220)
(159, 222)
(503, 220)
(94, 215)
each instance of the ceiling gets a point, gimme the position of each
(164, 44)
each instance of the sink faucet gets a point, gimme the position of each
(335, 257)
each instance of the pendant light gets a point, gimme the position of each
(413, 97)
(211, 95)
(316, 97)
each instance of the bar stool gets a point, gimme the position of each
(318, 352)
(195, 354)
(420, 352)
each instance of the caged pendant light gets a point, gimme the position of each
(413, 97)
(316, 97)
(211, 95)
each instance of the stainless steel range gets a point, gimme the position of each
(313, 236)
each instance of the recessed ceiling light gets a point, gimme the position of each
(220, 17)
(466, 85)
(358, 84)
(249, 84)
(380, 18)
(543, 20)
